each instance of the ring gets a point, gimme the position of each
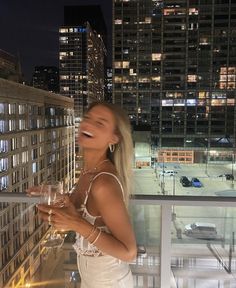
(50, 219)
(50, 212)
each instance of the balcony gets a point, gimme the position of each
(171, 254)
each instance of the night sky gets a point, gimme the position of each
(30, 28)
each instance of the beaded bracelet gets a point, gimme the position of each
(94, 228)
(95, 240)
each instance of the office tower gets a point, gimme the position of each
(36, 143)
(46, 78)
(10, 67)
(78, 15)
(81, 67)
(175, 71)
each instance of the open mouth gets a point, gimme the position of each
(87, 134)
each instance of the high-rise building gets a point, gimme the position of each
(36, 143)
(10, 68)
(174, 70)
(78, 15)
(81, 67)
(46, 78)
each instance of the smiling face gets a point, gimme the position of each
(97, 129)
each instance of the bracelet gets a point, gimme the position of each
(95, 240)
(94, 228)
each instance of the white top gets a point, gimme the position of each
(82, 246)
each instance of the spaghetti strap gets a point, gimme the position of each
(96, 176)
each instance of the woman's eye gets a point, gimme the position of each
(100, 123)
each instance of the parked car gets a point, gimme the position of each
(167, 173)
(185, 181)
(196, 182)
(201, 230)
(227, 176)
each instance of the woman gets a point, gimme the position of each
(97, 208)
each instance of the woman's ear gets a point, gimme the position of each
(115, 139)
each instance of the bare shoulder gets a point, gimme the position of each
(106, 184)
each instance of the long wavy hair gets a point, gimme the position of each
(122, 157)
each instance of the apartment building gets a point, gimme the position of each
(175, 72)
(36, 143)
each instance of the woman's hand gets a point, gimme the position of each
(34, 190)
(61, 217)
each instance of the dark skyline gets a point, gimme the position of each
(30, 29)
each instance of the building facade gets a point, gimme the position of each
(10, 67)
(174, 70)
(36, 143)
(81, 66)
(46, 78)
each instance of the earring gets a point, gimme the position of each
(112, 147)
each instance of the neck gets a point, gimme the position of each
(92, 160)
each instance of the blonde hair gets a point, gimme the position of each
(122, 157)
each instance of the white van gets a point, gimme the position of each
(201, 230)
(167, 173)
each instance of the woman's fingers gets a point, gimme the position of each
(34, 190)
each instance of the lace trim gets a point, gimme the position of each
(92, 250)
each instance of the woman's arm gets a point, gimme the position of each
(107, 196)
(107, 199)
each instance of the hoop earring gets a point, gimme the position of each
(112, 147)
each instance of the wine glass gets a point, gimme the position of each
(52, 194)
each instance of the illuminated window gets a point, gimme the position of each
(63, 30)
(118, 21)
(148, 20)
(118, 79)
(65, 88)
(156, 56)
(144, 79)
(118, 64)
(174, 11)
(204, 41)
(11, 109)
(193, 11)
(228, 78)
(230, 102)
(2, 108)
(3, 146)
(63, 55)
(125, 64)
(64, 77)
(202, 95)
(192, 78)
(218, 102)
(64, 40)
(156, 79)
(3, 164)
(132, 72)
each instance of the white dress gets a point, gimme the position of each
(98, 270)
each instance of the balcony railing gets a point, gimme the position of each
(170, 257)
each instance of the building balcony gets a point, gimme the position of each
(185, 234)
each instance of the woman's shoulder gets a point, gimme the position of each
(106, 180)
(107, 176)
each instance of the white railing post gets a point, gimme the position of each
(165, 249)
